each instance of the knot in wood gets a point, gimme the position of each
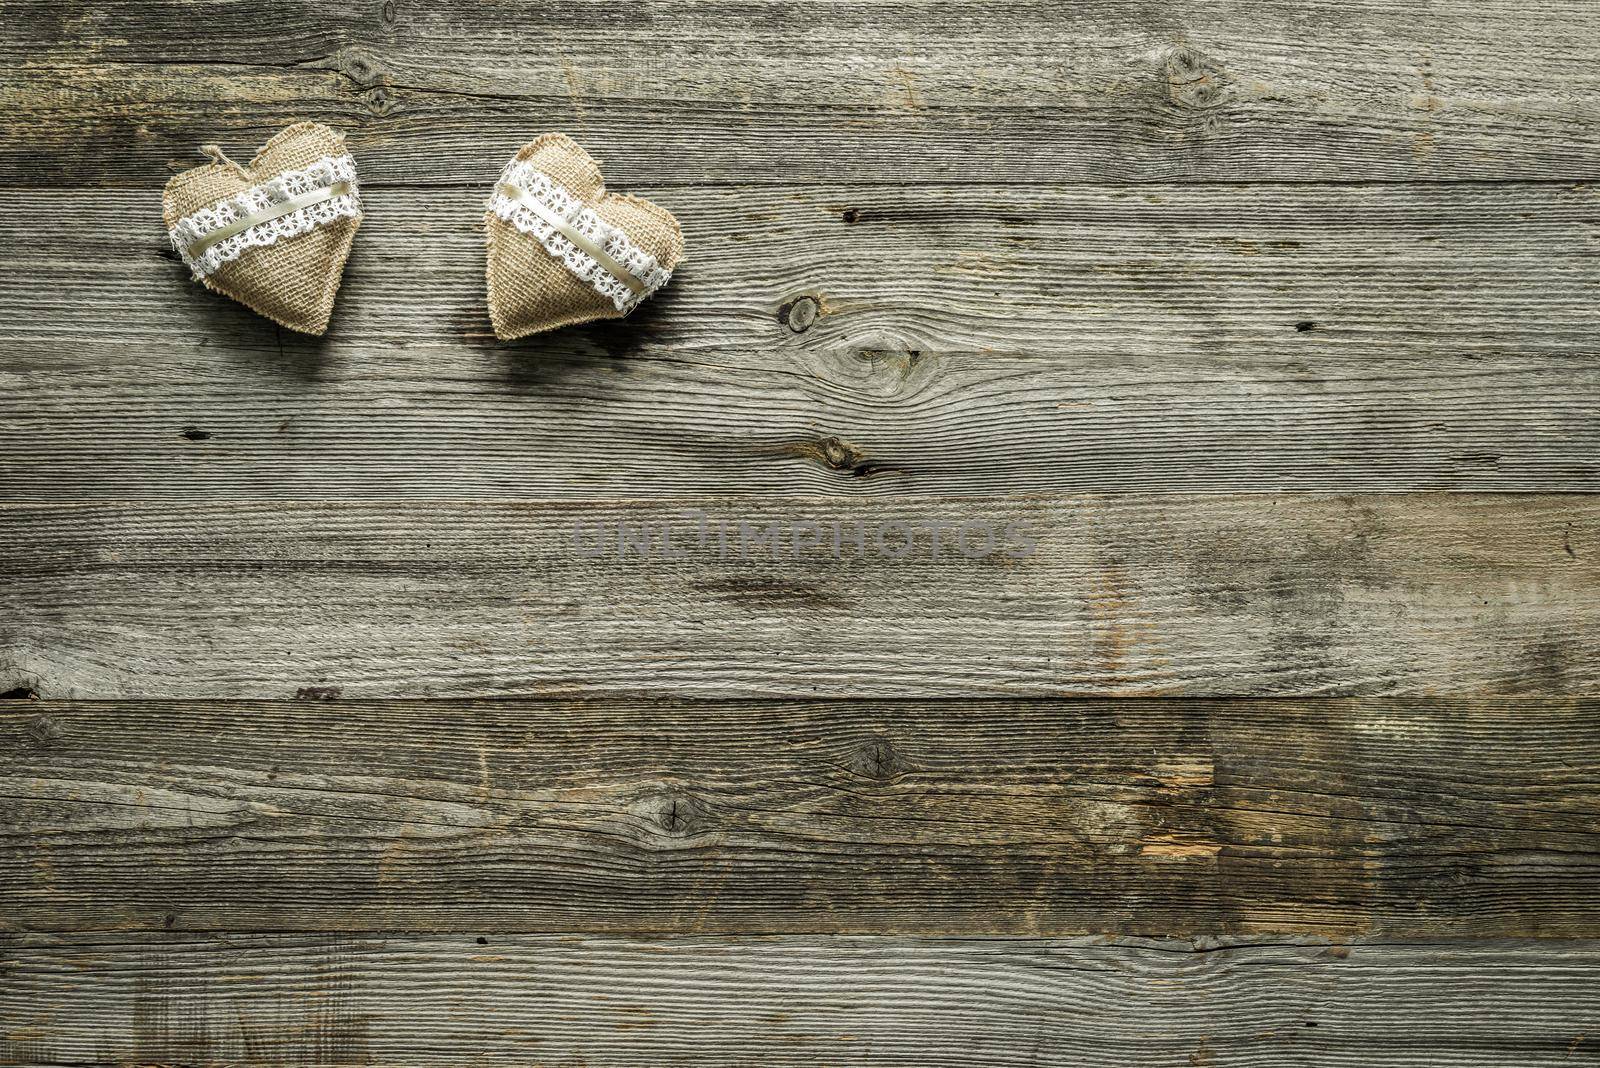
(380, 101)
(799, 314)
(1194, 80)
(840, 454)
(678, 814)
(876, 759)
(357, 64)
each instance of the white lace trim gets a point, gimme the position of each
(560, 200)
(325, 172)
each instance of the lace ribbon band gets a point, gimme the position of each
(523, 198)
(585, 244)
(304, 200)
(287, 205)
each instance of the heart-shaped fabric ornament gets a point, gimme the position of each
(274, 235)
(564, 251)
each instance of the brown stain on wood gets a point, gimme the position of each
(1175, 847)
(1107, 606)
(1127, 658)
(907, 97)
(1185, 776)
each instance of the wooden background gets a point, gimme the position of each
(1276, 321)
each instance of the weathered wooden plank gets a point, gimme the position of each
(1347, 819)
(92, 420)
(1136, 594)
(887, 92)
(1292, 272)
(398, 999)
(1186, 338)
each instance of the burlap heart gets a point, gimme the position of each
(564, 251)
(274, 235)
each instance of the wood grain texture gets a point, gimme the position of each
(1344, 819)
(445, 422)
(1294, 272)
(946, 340)
(398, 999)
(953, 266)
(1132, 595)
(753, 91)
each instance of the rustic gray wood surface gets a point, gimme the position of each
(951, 340)
(1270, 753)
(901, 92)
(800, 1002)
(1129, 594)
(1349, 819)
